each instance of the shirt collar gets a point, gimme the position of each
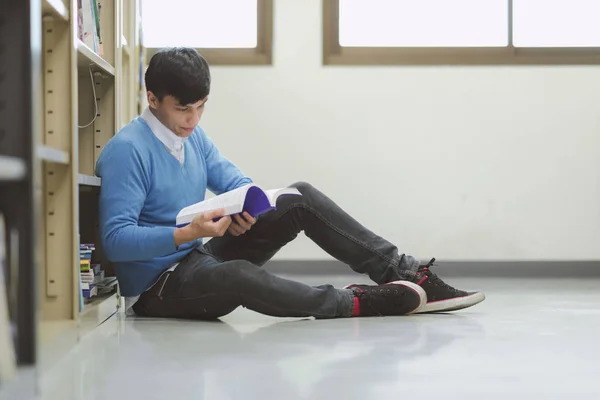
(164, 134)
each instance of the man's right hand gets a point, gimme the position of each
(203, 226)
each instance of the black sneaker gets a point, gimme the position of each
(394, 298)
(441, 296)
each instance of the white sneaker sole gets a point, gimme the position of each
(454, 304)
(413, 286)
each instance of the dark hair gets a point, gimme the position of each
(180, 72)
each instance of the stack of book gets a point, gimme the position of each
(88, 24)
(93, 280)
(88, 271)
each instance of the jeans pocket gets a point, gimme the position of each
(158, 287)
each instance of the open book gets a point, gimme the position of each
(249, 198)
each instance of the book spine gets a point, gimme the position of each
(97, 7)
(87, 24)
(79, 21)
(94, 32)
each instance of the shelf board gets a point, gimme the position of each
(55, 8)
(86, 56)
(99, 303)
(88, 180)
(98, 310)
(53, 155)
(12, 168)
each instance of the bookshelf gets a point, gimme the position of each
(67, 101)
(86, 57)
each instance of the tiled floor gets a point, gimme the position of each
(531, 339)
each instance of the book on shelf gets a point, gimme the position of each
(107, 285)
(87, 276)
(97, 7)
(80, 291)
(88, 24)
(86, 271)
(86, 27)
(92, 279)
(88, 290)
(250, 198)
(85, 265)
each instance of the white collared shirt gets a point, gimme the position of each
(173, 143)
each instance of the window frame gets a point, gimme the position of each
(262, 54)
(335, 54)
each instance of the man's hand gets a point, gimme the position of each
(240, 225)
(203, 226)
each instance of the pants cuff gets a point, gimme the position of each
(345, 302)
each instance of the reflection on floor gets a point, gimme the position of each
(531, 339)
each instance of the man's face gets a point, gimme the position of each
(179, 118)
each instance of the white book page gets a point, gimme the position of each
(274, 194)
(232, 202)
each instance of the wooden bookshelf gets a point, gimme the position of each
(94, 107)
(69, 102)
(65, 101)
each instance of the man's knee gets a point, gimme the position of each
(303, 187)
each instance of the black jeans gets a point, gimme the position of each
(216, 278)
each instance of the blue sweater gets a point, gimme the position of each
(143, 189)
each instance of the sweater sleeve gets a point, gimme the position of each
(122, 197)
(222, 174)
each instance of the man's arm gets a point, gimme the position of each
(122, 196)
(223, 175)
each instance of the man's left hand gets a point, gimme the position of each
(240, 225)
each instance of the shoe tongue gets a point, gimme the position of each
(437, 280)
(432, 275)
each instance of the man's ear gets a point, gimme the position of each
(152, 100)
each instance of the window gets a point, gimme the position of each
(461, 32)
(224, 31)
(556, 23)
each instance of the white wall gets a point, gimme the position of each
(460, 163)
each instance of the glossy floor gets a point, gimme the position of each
(531, 339)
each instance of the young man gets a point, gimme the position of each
(162, 162)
